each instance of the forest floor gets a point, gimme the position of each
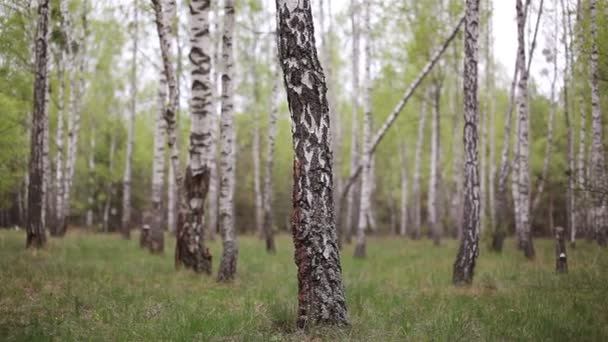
(99, 287)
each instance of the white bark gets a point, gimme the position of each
(59, 143)
(126, 182)
(158, 161)
(366, 182)
(110, 189)
(523, 181)
(433, 218)
(228, 155)
(598, 184)
(354, 151)
(268, 182)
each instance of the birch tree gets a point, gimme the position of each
(464, 266)
(366, 181)
(59, 145)
(354, 151)
(523, 175)
(126, 182)
(404, 190)
(91, 162)
(416, 186)
(599, 217)
(35, 224)
(268, 184)
(190, 249)
(227, 158)
(321, 297)
(433, 208)
(156, 239)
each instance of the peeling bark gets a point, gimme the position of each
(468, 252)
(321, 297)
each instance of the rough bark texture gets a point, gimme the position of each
(126, 181)
(433, 205)
(464, 265)
(35, 224)
(190, 250)
(599, 219)
(268, 184)
(523, 174)
(366, 181)
(354, 149)
(321, 297)
(561, 258)
(156, 241)
(228, 156)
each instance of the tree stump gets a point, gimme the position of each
(561, 260)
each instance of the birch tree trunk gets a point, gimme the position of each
(366, 181)
(599, 219)
(268, 184)
(172, 187)
(190, 249)
(156, 241)
(354, 151)
(404, 190)
(126, 182)
(59, 140)
(257, 188)
(321, 297)
(110, 188)
(216, 74)
(59, 223)
(464, 265)
(433, 218)
(491, 117)
(416, 187)
(90, 199)
(568, 70)
(35, 226)
(228, 156)
(523, 139)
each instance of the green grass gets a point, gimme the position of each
(96, 287)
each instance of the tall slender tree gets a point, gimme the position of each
(190, 249)
(268, 184)
(228, 160)
(435, 171)
(35, 225)
(354, 149)
(321, 297)
(464, 265)
(126, 182)
(366, 181)
(523, 174)
(598, 152)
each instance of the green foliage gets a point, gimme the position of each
(89, 283)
